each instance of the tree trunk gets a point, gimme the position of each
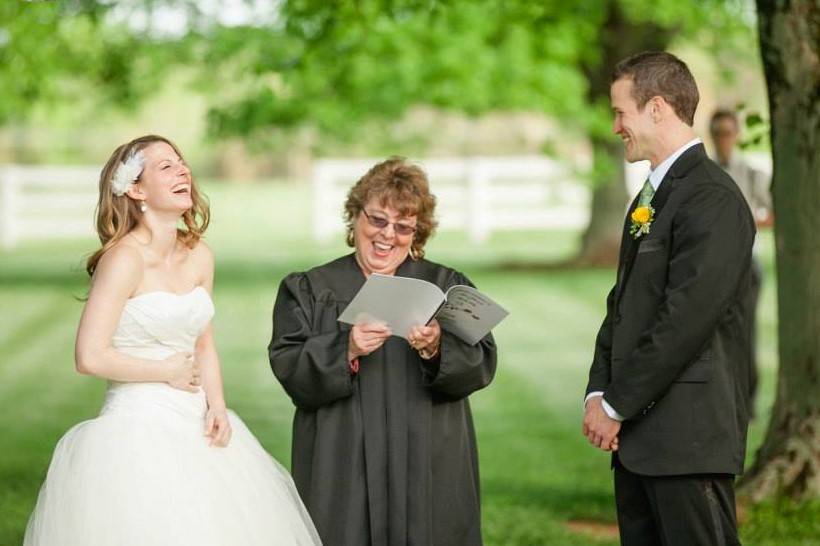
(788, 463)
(602, 238)
(619, 38)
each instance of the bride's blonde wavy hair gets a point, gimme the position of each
(116, 215)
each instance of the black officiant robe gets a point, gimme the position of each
(388, 456)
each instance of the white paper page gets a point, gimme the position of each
(399, 302)
(469, 314)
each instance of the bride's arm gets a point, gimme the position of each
(217, 426)
(116, 277)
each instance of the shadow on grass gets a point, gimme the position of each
(564, 502)
(535, 266)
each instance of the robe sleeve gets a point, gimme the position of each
(311, 366)
(461, 368)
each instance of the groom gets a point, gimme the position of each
(669, 381)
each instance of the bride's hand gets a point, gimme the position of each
(184, 372)
(217, 427)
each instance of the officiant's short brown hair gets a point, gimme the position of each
(397, 183)
(661, 74)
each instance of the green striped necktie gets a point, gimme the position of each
(647, 193)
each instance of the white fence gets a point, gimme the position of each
(480, 194)
(46, 202)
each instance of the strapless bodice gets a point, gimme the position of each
(156, 325)
(153, 326)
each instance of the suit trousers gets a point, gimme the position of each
(690, 510)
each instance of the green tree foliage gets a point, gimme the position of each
(337, 64)
(53, 51)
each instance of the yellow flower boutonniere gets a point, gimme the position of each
(642, 218)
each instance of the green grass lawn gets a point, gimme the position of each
(537, 471)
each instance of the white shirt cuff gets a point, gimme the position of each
(593, 394)
(610, 411)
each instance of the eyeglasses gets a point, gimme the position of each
(381, 223)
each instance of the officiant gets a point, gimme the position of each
(384, 450)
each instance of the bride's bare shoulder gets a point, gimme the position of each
(123, 263)
(121, 255)
(201, 259)
(202, 253)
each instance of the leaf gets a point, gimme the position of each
(753, 120)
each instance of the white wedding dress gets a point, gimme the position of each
(142, 473)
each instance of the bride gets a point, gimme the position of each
(165, 463)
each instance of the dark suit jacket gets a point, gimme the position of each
(672, 355)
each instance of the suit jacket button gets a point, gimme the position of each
(617, 319)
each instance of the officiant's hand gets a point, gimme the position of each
(366, 338)
(601, 430)
(426, 339)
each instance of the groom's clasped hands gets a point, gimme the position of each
(599, 428)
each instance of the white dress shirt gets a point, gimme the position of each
(656, 176)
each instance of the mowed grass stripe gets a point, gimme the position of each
(530, 463)
(42, 396)
(47, 361)
(549, 337)
(20, 304)
(24, 327)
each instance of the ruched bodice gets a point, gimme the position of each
(154, 326)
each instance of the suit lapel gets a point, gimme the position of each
(688, 159)
(627, 241)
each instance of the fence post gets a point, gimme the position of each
(478, 186)
(9, 217)
(323, 186)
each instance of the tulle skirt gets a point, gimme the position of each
(142, 474)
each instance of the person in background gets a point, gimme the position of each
(754, 185)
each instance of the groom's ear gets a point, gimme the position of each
(658, 108)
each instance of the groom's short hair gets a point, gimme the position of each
(661, 74)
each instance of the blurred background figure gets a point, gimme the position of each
(754, 184)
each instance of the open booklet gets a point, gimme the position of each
(402, 302)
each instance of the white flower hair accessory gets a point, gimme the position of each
(128, 171)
